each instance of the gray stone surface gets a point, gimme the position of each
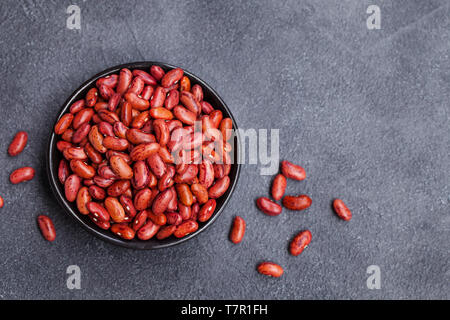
(365, 112)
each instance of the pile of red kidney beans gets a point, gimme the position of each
(145, 156)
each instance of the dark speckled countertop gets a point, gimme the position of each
(366, 112)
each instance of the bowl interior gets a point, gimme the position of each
(54, 157)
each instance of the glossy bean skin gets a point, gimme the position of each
(140, 220)
(115, 209)
(200, 192)
(278, 187)
(71, 187)
(63, 171)
(300, 242)
(63, 123)
(47, 228)
(124, 81)
(120, 167)
(22, 175)
(162, 201)
(342, 210)
(292, 171)
(143, 151)
(165, 232)
(98, 211)
(185, 228)
(157, 72)
(237, 230)
(81, 169)
(91, 97)
(270, 269)
(171, 77)
(83, 198)
(2, 202)
(268, 206)
(219, 188)
(148, 231)
(300, 202)
(207, 210)
(142, 199)
(123, 231)
(18, 143)
(184, 194)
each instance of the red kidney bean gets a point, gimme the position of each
(300, 242)
(161, 131)
(184, 115)
(2, 202)
(128, 206)
(74, 153)
(206, 173)
(219, 188)
(110, 81)
(157, 72)
(81, 133)
(148, 231)
(146, 78)
(207, 210)
(105, 92)
(185, 84)
(21, 175)
(342, 210)
(185, 228)
(62, 145)
(71, 187)
(292, 171)
(197, 91)
(105, 225)
(156, 165)
(83, 198)
(188, 175)
(300, 202)
(120, 167)
(159, 96)
(184, 194)
(124, 81)
(81, 169)
(63, 171)
(200, 192)
(141, 175)
(98, 211)
(77, 106)
(116, 144)
(166, 180)
(172, 77)
(278, 187)
(165, 232)
(270, 269)
(137, 85)
(161, 202)
(136, 136)
(237, 230)
(174, 218)
(142, 199)
(143, 151)
(83, 116)
(123, 231)
(97, 192)
(18, 143)
(172, 99)
(63, 123)
(115, 209)
(91, 97)
(47, 228)
(147, 92)
(140, 220)
(189, 101)
(206, 107)
(268, 206)
(108, 116)
(136, 101)
(185, 211)
(118, 188)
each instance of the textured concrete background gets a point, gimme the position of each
(365, 112)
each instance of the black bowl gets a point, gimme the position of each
(54, 157)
